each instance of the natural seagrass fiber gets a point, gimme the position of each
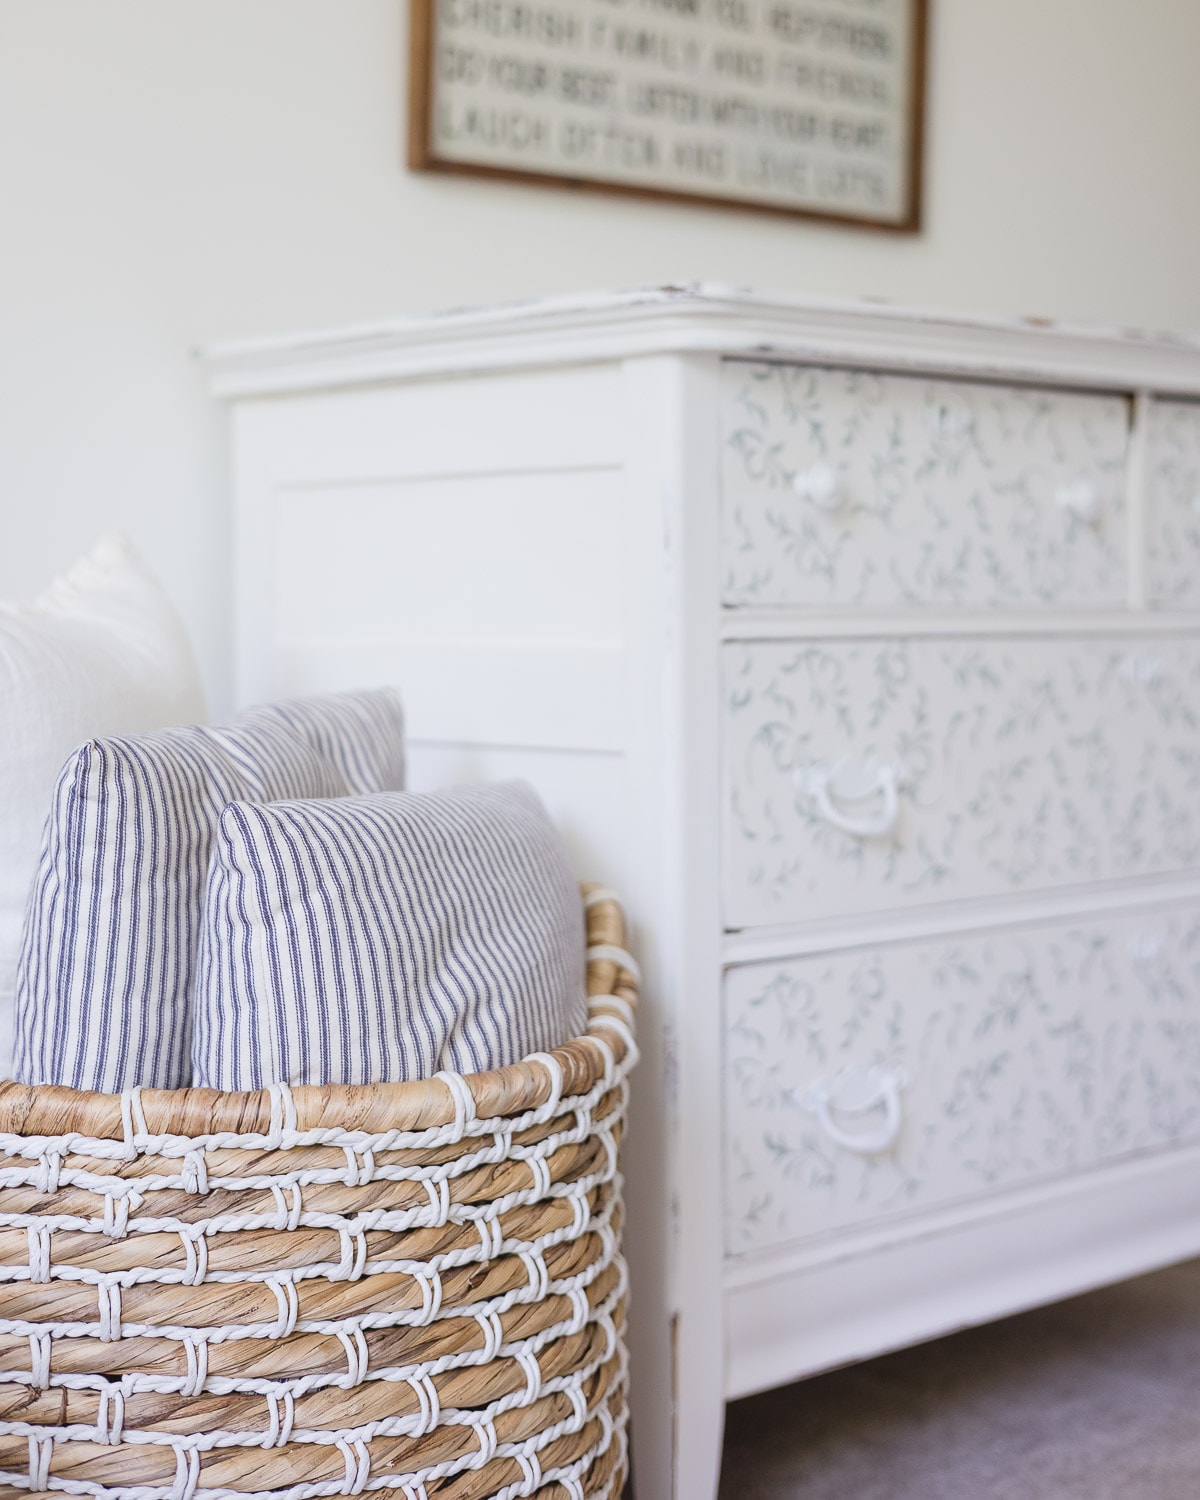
(415, 1290)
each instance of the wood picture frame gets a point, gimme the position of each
(454, 80)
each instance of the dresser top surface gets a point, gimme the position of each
(702, 318)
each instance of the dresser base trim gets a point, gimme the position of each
(1111, 1225)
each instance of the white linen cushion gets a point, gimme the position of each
(382, 938)
(108, 951)
(101, 652)
(361, 732)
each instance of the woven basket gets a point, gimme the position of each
(414, 1288)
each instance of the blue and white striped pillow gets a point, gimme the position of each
(107, 959)
(377, 939)
(361, 733)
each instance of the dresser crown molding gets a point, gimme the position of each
(702, 318)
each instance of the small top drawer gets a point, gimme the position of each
(1173, 504)
(846, 488)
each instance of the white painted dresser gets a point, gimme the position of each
(860, 650)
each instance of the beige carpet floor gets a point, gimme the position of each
(1093, 1399)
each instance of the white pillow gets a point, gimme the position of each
(381, 938)
(101, 652)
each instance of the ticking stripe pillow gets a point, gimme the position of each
(382, 938)
(108, 949)
(361, 733)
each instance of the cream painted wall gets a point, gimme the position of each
(175, 170)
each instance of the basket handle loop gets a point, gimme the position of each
(133, 1122)
(39, 1361)
(602, 896)
(358, 1465)
(463, 1100)
(187, 1473)
(531, 1472)
(426, 1393)
(557, 1082)
(196, 1350)
(283, 1115)
(622, 957)
(37, 1238)
(355, 1346)
(41, 1451)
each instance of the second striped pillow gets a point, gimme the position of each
(378, 939)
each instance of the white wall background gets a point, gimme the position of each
(176, 170)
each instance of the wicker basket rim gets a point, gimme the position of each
(34, 1111)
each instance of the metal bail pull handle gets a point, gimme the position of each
(879, 1090)
(852, 783)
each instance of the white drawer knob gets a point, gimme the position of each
(1146, 947)
(852, 1094)
(819, 485)
(840, 794)
(1140, 670)
(1080, 500)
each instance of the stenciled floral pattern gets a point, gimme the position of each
(1173, 504)
(1024, 1054)
(848, 488)
(1020, 764)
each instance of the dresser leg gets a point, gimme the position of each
(699, 1424)
(676, 1443)
(676, 1343)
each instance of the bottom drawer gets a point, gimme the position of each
(899, 1077)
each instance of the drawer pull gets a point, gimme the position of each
(852, 1093)
(855, 781)
(819, 485)
(1196, 504)
(1146, 948)
(1141, 671)
(1081, 500)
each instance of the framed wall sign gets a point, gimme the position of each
(808, 107)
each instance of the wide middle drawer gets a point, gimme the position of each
(875, 775)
